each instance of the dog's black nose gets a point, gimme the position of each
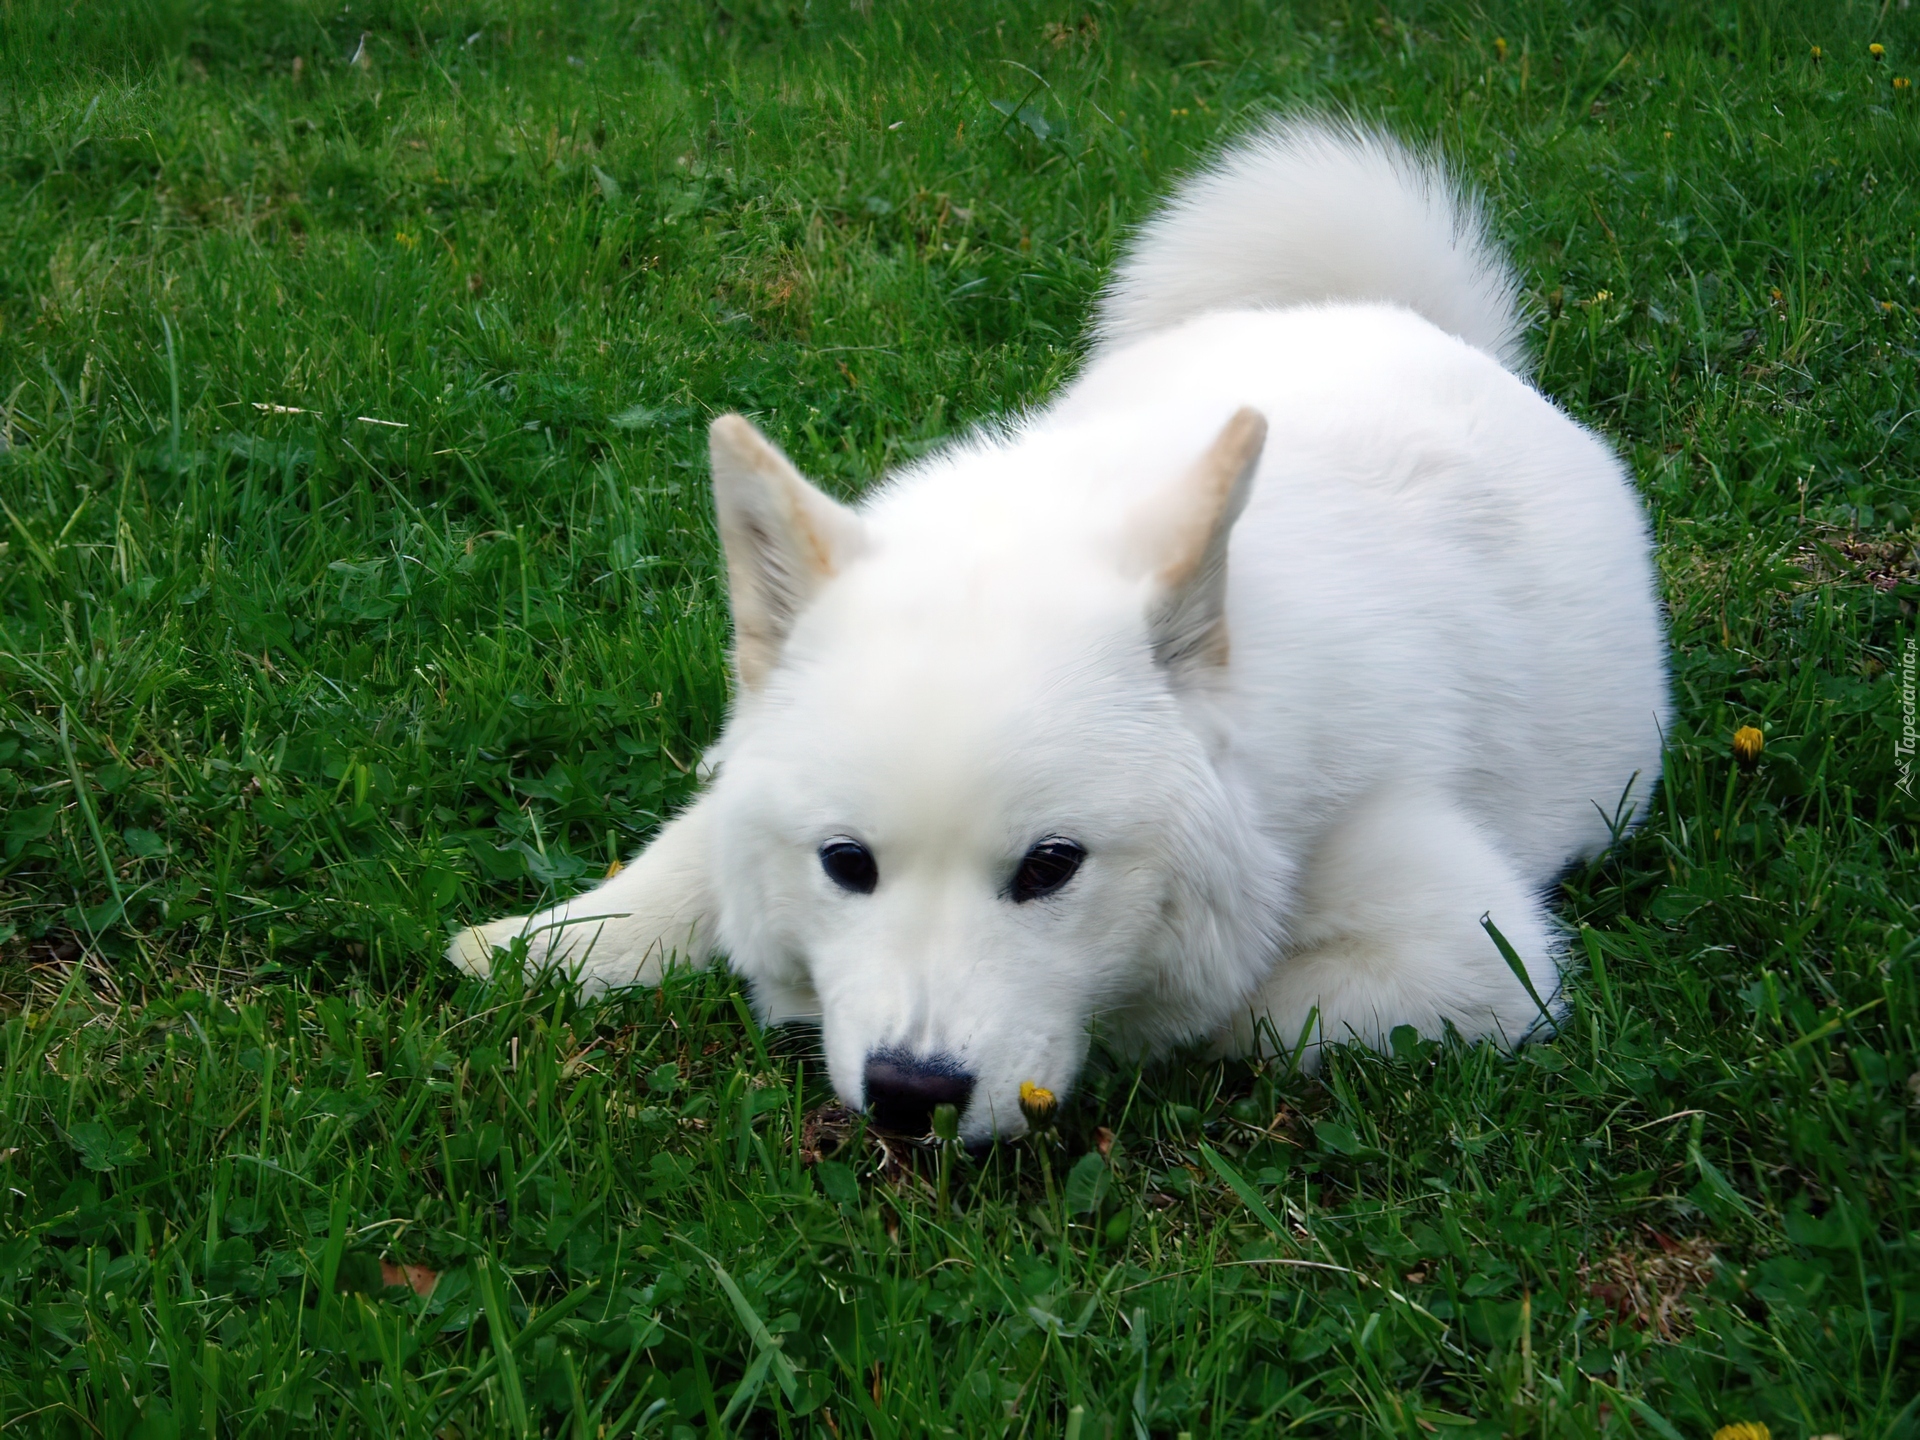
(903, 1089)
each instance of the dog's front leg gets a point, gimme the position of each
(625, 930)
(1389, 930)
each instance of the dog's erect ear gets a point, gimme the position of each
(1179, 539)
(782, 537)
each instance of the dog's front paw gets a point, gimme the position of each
(472, 949)
(623, 931)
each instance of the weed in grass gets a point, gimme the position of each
(358, 580)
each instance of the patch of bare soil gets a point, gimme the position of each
(1835, 557)
(830, 1132)
(1645, 1282)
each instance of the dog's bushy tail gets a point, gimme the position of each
(1315, 209)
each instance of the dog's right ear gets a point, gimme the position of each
(1179, 538)
(783, 541)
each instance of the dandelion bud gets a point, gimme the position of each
(1036, 1103)
(1748, 742)
(946, 1123)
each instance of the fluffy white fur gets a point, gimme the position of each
(1312, 708)
(1312, 211)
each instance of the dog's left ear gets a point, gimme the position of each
(1178, 538)
(783, 540)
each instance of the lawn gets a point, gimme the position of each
(358, 579)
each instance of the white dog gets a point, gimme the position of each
(1218, 701)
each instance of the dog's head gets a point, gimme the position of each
(970, 804)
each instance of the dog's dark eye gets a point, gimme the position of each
(849, 864)
(1046, 867)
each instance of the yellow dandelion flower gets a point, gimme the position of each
(1748, 742)
(1877, 50)
(404, 240)
(1816, 52)
(1899, 82)
(1743, 1430)
(1499, 47)
(1600, 297)
(1036, 1103)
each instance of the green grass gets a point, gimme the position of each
(286, 693)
